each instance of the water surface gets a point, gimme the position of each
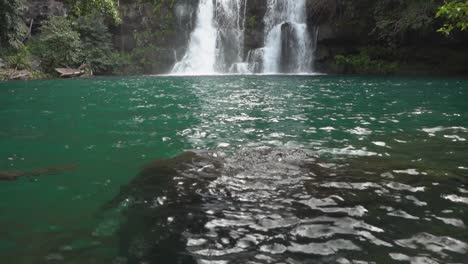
(292, 169)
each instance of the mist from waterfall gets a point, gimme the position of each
(288, 45)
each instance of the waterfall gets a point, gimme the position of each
(200, 57)
(288, 46)
(230, 22)
(217, 42)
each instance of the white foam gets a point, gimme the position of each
(379, 143)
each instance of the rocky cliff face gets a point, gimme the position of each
(159, 32)
(404, 33)
(388, 31)
(37, 11)
(254, 24)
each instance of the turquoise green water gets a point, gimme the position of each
(370, 134)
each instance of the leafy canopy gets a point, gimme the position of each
(455, 14)
(89, 7)
(398, 21)
(59, 44)
(12, 28)
(96, 43)
(70, 42)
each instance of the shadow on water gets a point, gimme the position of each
(267, 205)
(162, 202)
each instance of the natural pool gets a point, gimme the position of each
(285, 169)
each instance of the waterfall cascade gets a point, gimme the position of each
(230, 23)
(200, 56)
(288, 46)
(217, 42)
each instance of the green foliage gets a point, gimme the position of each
(19, 59)
(364, 63)
(162, 10)
(37, 75)
(12, 28)
(66, 43)
(96, 43)
(123, 64)
(155, 32)
(83, 8)
(455, 15)
(159, 4)
(251, 22)
(3, 75)
(144, 56)
(396, 20)
(58, 44)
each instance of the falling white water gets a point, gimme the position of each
(200, 57)
(287, 33)
(230, 22)
(217, 42)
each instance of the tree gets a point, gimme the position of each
(12, 27)
(58, 44)
(396, 22)
(96, 43)
(90, 7)
(455, 14)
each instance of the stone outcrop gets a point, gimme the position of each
(169, 26)
(348, 27)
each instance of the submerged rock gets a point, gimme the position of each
(177, 209)
(266, 205)
(15, 175)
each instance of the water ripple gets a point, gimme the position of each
(264, 205)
